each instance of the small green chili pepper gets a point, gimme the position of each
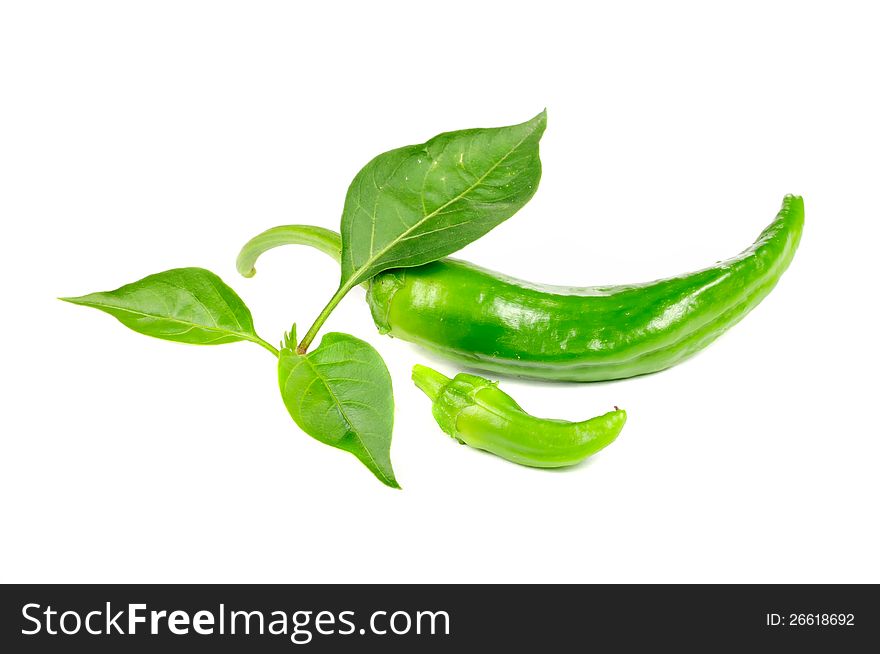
(489, 321)
(474, 411)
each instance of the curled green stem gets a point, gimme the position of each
(325, 240)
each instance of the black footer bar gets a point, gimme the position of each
(316, 618)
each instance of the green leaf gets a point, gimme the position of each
(419, 203)
(340, 394)
(187, 305)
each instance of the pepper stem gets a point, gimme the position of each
(303, 346)
(430, 381)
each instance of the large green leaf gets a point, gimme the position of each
(187, 305)
(340, 394)
(421, 202)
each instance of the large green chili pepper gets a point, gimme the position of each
(474, 411)
(489, 321)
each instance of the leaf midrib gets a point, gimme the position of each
(96, 305)
(352, 430)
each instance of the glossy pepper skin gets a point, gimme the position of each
(488, 321)
(474, 411)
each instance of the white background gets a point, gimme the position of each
(137, 137)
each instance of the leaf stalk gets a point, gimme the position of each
(306, 341)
